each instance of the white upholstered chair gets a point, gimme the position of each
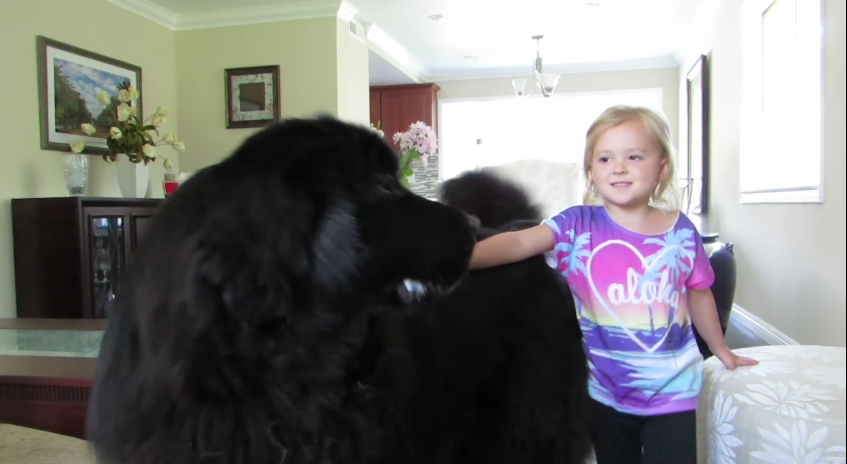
(790, 408)
(553, 186)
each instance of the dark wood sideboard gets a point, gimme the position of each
(47, 392)
(70, 252)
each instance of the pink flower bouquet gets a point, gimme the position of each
(419, 142)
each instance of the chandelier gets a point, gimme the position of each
(546, 82)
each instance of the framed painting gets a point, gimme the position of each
(697, 166)
(69, 79)
(252, 96)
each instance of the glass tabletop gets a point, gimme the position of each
(46, 338)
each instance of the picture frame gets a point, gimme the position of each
(252, 96)
(69, 78)
(697, 166)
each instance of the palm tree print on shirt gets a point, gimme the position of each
(674, 255)
(574, 251)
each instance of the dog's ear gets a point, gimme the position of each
(250, 279)
(227, 297)
(240, 278)
(336, 250)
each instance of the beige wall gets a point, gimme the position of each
(95, 25)
(665, 78)
(791, 257)
(352, 67)
(305, 51)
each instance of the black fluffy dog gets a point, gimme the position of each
(264, 320)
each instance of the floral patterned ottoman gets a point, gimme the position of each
(788, 409)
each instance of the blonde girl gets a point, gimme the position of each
(640, 277)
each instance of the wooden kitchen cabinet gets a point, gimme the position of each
(397, 106)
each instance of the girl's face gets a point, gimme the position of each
(627, 166)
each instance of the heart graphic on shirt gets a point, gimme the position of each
(602, 300)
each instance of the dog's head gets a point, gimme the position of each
(250, 294)
(313, 205)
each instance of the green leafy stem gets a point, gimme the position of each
(405, 171)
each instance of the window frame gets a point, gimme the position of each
(752, 119)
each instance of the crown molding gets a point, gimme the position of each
(245, 16)
(346, 11)
(151, 11)
(659, 62)
(381, 42)
(238, 16)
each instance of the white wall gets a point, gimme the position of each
(791, 257)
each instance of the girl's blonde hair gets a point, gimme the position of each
(664, 196)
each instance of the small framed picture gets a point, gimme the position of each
(69, 80)
(252, 96)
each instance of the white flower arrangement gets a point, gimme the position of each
(129, 135)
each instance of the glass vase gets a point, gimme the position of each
(76, 173)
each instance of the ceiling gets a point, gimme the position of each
(475, 38)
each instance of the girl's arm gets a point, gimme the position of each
(510, 247)
(704, 316)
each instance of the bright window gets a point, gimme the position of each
(781, 149)
(490, 132)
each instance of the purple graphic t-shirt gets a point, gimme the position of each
(631, 296)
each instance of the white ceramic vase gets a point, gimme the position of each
(133, 178)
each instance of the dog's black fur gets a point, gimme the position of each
(260, 323)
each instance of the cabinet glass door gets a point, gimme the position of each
(108, 250)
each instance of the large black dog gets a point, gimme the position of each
(266, 318)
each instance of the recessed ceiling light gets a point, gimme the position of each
(436, 17)
(470, 57)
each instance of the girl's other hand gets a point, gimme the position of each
(731, 360)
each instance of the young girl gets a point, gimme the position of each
(638, 270)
